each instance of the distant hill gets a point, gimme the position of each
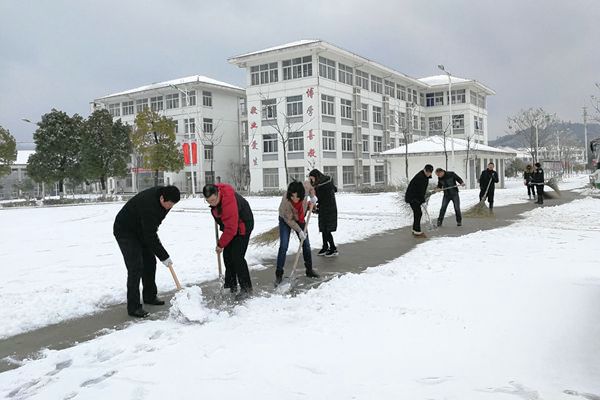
(576, 128)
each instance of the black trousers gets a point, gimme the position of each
(455, 199)
(490, 197)
(328, 242)
(418, 213)
(141, 264)
(540, 194)
(236, 267)
(530, 190)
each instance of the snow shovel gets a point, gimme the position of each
(174, 275)
(221, 278)
(479, 209)
(287, 286)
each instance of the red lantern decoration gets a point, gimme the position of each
(194, 153)
(186, 154)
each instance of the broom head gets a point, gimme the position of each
(267, 238)
(479, 210)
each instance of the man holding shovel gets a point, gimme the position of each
(487, 183)
(448, 181)
(136, 231)
(233, 215)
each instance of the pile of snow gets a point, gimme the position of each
(188, 305)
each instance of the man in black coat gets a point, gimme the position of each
(136, 231)
(448, 182)
(487, 184)
(325, 191)
(415, 196)
(537, 180)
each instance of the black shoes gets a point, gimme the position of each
(322, 252)
(311, 273)
(139, 313)
(278, 277)
(459, 224)
(331, 253)
(155, 302)
(243, 295)
(439, 223)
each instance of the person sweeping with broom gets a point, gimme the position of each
(292, 216)
(415, 196)
(537, 180)
(487, 184)
(327, 209)
(449, 181)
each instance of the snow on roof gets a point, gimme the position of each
(442, 80)
(23, 156)
(280, 47)
(180, 81)
(435, 144)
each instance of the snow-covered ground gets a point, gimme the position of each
(59, 263)
(501, 314)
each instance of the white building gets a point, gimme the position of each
(470, 159)
(15, 184)
(333, 110)
(210, 119)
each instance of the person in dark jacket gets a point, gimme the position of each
(233, 215)
(325, 191)
(136, 231)
(487, 184)
(415, 196)
(447, 181)
(537, 180)
(527, 174)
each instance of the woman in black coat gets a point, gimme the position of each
(325, 190)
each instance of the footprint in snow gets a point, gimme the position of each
(587, 396)
(516, 389)
(434, 380)
(59, 367)
(25, 390)
(99, 379)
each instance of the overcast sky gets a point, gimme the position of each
(61, 54)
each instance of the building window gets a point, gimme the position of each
(346, 141)
(348, 175)
(141, 105)
(421, 99)
(189, 125)
(270, 178)
(390, 88)
(435, 125)
(331, 171)
(458, 121)
(379, 174)
(458, 96)
(434, 99)
(328, 141)
(478, 123)
(364, 115)
(254, 76)
(294, 106)
(345, 74)
(327, 105)
(377, 144)
(415, 98)
(206, 98)
(209, 177)
(366, 174)
(423, 124)
(376, 115)
(327, 68)
(207, 125)
(208, 152)
(295, 68)
(115, 109)
(365, 143)
(269, 109)
(270, 143)
(400, 92)
(362, 79)
(189, 100)
(415, 122)
(127, 107)
(346, 108)
(264, 73)
(296, 174)
(156, 103)
(376, 84)
(478, 100)
(401, 120)
(295, 142)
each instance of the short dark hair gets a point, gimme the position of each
(537, 164)
(429, 168)
(209, 190)
(170, 193)
(296, 187)
(440, 170)
(491, 163)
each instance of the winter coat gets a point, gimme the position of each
(233, 214)
(537, 178)
(415, 192)
(449, 179)
(287, 211)
(488, 178)
(140, 217)
(527, 176)
(325, 191)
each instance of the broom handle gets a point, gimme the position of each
(174, 275)
(300, 245)
(486, 190)
(218, 255)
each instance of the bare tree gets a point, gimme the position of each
(405, 126)
(211, 135)
(531, 126)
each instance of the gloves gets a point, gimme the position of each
(301, 235)
(167, 262)
(313, 199)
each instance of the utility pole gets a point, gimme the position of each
(585, 136)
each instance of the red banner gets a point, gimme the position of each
(194, 153)
(186, 154)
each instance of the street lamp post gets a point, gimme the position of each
(187, 101)
(441, 67)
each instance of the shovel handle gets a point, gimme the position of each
(174, 275)
(218, 255)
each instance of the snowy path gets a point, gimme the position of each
(489, 315)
